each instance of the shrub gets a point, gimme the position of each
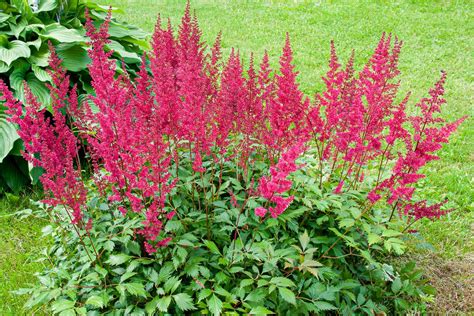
(25, 33)
(218, 189)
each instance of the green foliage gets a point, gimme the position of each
(327, 253)
(25, 31)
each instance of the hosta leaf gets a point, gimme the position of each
(4, 17)
(17, 28)
(12, 174)
(47, 5)
(62, 34)
(8, 136)
(23, 6)
(40, 57)
(39, 90)
(14, 50)
(36, 43)
(128, 57)
(40, 73)
(74, 57)
(214, 304)
(287, 295)
(4, 67)
(184, 301)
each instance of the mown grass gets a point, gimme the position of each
(438, 35)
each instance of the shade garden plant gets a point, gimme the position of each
(218, 188)
(26, 28)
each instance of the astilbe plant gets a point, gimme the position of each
(191, 123)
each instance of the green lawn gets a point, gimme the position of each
(438, 35)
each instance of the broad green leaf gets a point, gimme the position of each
(24, 7)
(4, 67)
(96, 301)
(214, 304)
(74, 57)
(36, 43)
(8, 136)
(21, 75)
(62, 34)
(40, 73)
(12, 174)
(14, 50)
(287, 295)
(4, 17)
(136, 289)
(40, 57)
(46, 5)
(129, 57)
(116, 260)
(184, 302)
(17, 28)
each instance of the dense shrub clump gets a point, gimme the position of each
(219, 188)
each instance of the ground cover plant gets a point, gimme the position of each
(26, 29)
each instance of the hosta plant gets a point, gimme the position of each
(26, 28)
(221, 188)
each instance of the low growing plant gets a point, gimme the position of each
(218, 189)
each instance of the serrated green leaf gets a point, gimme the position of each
(116, 260)
(136, 289)
(163, 303)
(304, 240)
(260, 310)
(287, 295)
(282, 282)
(184, 302)
(214, 305)
(390, 233)
(373, 238)
(171, 284)
(212, 247)
(95, 301)
(324, 306)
